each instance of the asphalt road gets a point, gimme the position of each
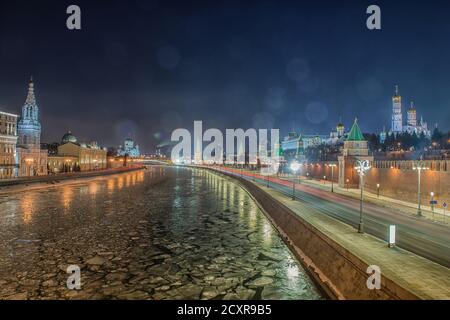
(422, 237)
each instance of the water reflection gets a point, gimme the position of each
(111, 185)
(66, 197)
(93, 188)
(27, 206)
(204, 228)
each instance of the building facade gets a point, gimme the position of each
(411, 126)
(292, 146)
(80, 156)
(62, 164)
(130, 149)
(8, 141)
(32, 160)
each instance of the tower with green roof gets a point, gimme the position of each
(355, 144)
(355, 148)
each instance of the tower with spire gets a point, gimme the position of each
(397, 121)
(412, 116)
(32, 159)
(29, 127)
(412, 125)
(355, 148)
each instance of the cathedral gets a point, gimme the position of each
(129, 149)
(412, 125)
(32, 160)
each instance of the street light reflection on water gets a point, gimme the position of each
(183, 230)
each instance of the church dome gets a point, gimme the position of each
(69, 137)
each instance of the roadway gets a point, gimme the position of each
(422, 237)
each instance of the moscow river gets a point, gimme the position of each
(160, 233)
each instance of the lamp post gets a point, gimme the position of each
(378, 190)
(347, 182)
(419, 167)
(332, 176)
(294, 167)
(362, 167)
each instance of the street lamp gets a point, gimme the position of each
(294, 167)
(419, 167)
(332, 176)
(362, 167)
(347, 182)
(378, 190)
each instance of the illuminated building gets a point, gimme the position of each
(292, 146)
(8, 141)
(129, 149)
(62, 164)
(32, 159)
(411, 118)
(86, 157)
(397, 122)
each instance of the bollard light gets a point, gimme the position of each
(391, 236)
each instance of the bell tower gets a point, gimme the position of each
(29, 127)
(397, 121)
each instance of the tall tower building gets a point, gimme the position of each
(29, 127)
(32, 160)
(412, 116)
(340, 129)
(397, 121)
(355, 148)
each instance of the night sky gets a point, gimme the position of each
(143, 68)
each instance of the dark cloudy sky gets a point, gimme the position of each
(144, 68)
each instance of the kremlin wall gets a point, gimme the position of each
(397, 179)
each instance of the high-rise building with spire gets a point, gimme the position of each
(32, 160)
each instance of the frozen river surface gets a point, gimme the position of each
(161, 233)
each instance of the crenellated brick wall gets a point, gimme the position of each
(397, 179)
